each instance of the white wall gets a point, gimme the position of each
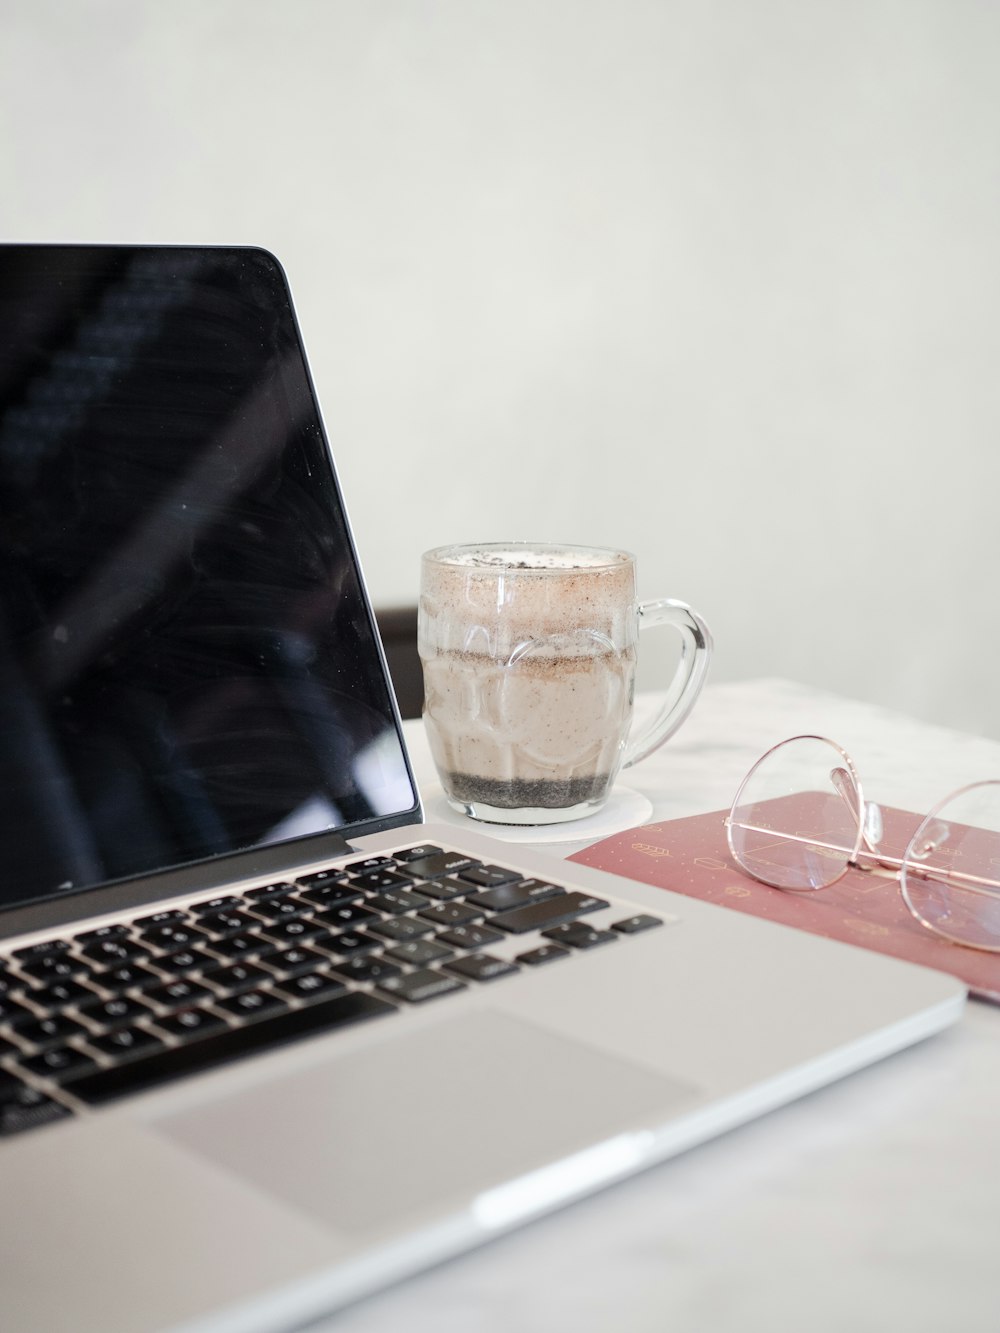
(716, 281)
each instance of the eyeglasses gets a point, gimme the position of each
(800, 822)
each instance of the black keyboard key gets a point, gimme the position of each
(418, 853)
(114, 1013)
(174, 935)
(221, 924)
(227, 903)
(12, 1012)
(419, 953)
(285, 908)
(59, 994)
(369, 863)
(348, 916)
(53, 1031)
(178, 994)
(578, 935)
(481, 967)
(451, 914)
(331, 895)
(399, 929)
(192, 1024)
(56, 967)
(471, 937)
(130, 977)
(424, 984)
(444, 889)
(268, 891)
(488, 876)
(59, 1063)
(632, 925)
(31, 953)
(115, 932)
(183, 961)
(242, 946)
(320, 879)
(115, 951)
(22, 1107)
(349, 943)
(540, 888)
(300, 930)
(373, 881)
(124, 1043)
(310, 986)
(517, 894)
(290, 962)
(438, 864)
(367, 969)
(236, 977)
(550, 912)
(397, 901)
(545, 953)
(169, 916)
(251, 1004)
(232, 1043)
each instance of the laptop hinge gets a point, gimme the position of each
(337, 845)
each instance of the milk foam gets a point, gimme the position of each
(488, 599)
(526, 558)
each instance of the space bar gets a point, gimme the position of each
(138, 1075)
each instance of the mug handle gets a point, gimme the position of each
(696, 652)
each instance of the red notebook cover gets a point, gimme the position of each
(691, 856)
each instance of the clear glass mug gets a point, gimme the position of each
(529, 654)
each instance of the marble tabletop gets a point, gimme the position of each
(871, 1205)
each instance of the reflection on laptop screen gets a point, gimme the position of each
(187, 663)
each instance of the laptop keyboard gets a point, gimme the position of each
(89, 1017)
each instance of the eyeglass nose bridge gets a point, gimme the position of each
(868, 813)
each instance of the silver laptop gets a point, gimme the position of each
(267, 1041)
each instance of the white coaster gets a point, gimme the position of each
(625, 809)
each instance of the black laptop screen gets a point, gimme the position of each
(187, 664)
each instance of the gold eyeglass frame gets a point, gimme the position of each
(866, 855)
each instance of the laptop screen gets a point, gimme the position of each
(188, 665)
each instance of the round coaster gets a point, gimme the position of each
(625, 809)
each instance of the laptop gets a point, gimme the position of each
(268, 1041)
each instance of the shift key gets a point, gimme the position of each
(550, 912)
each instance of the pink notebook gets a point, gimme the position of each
(691, 856)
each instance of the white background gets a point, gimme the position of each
(716, 281)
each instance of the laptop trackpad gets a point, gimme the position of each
(372, 1137)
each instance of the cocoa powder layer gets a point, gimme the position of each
(518, 794)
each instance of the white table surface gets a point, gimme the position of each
(871, 1205)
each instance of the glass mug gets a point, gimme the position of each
(529, 656)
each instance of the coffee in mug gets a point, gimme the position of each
(529, 654)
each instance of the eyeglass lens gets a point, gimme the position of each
(796, 820)
(951, 871)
